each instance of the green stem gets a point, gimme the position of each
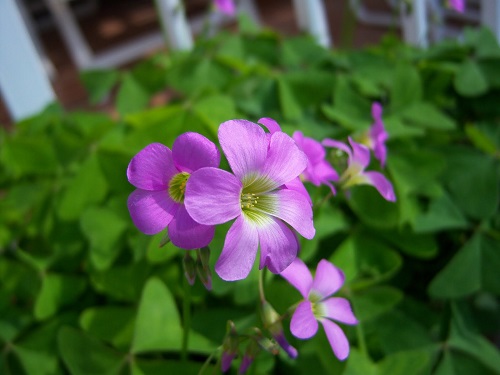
(186, 316)
(261, 286)
(361, 340)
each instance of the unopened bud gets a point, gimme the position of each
(204, 255)
(272, 321)
(229, 346)
(204, 274)
(189, 268)
(164, 240)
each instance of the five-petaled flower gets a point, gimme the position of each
(355, 174)
(256, 196)
(317, 304)
(318, 170)
(160, 176)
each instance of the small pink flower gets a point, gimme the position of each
(458, 5)
(318, 170)
(318, 305)
(355, 174)
(225, 6)
(160, 176)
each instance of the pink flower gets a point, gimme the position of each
(318, 170)
(318, 306)
(358, 160)
(225, 6)
(377, 135)
(160, 176)
(458, 5)
(255, 196)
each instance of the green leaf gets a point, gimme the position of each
(87, 187)
(158, 326)
(366, 261)
(99, 83)
(372, 209)
(28, 156)
(481, 140)
(36, 362)
(157, 367)
(290, 105)
(112, 324)
(469, 80)
(132, 96)
(406, 89)
(473, 180)
(214, 110)
(442, 214)
(84, 355)
(104, 229)
(428, 116)
(372, 302)
(474, 268)
(416, 245)
(405, 363)
(57, 291)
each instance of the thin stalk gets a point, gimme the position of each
(186, 317)
(261, 286)
(361, 340)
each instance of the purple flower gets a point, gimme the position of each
(318, 305)
(318, 170)
(160, 176)
(358, 160)
(255, 196)
(225, 6)
(377, 135)
(458, 5)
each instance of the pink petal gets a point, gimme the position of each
(186, 233)
(270, 124)
(382, 184)
(303, 324)
(245, 146)
(360, 155)
(339, 309)
(295, 209)
(192, 151)
(226, 360)
(336, 337)
(213, 196)
(297, 185)
(278, 245)
(338, 145)
(299, 276)
(311, 147)
(327, 280)
(377, 111)
(152, 168)
(240, 249)
(151, 211)
(284, 160)
(321, 173)
(226, 6)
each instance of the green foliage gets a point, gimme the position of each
(84, 292)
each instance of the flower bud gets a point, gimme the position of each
(189, 268)
(272, 321)
(229, 346)
(204, 274)
(204, 255)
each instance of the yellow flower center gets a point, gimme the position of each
(177, 187)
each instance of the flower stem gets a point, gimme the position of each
(361, 340)
(186, 317)
(261, 285)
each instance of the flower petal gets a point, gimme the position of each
(284, 160)
(297, 185)
(327, 280)
(336, 337)
(311, 147)
(245, 146)
(382, 184)
(377, 111)
(299, 276)
(285, 345)
(360, 154)
(226, 360)
(240, 249)
(186, 233)
(151, 211)
(339, 309)
(212, 196)
(152, 168)
(294, 208)
(303, 324)
(321, 173)
(278, 245)
(192, 151)
(270, 124)
(338, 145)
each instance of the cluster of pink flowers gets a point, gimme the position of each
(183, 190)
